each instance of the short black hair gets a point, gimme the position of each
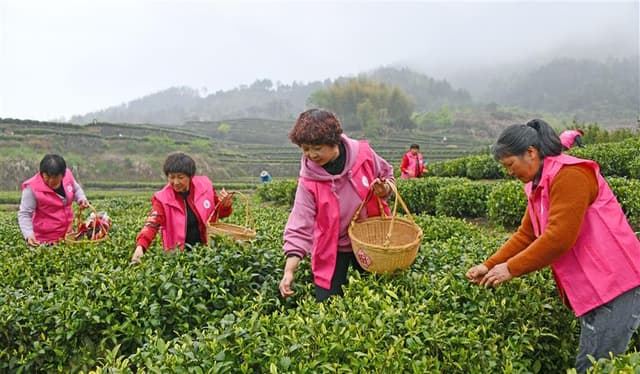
(53, 165)
(179, 162)
(414, 146)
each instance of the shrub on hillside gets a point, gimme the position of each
(615, 159)
(281, 192)
(484, 167)
(420, 193)
(465, 199)
(451, 168)
(506, 203)
(627, 192)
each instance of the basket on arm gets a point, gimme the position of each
(90, 230)
(237, 232)
(384, 244)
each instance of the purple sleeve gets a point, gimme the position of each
(382, 168)
(25, 214)
(78, 192)
(298, 233)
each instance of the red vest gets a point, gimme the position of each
(327, 221)
(174, 230)
(415, 163)
(604, 262)
(52, 219)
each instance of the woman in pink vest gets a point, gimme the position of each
(412, 165)
(45, 214)
(569, 138)
(574, 224)
(181, 209)
(336, 173)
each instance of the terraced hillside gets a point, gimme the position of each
(126, 153)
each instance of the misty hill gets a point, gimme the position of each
(263, 99)
(595, 91)
(592, 91)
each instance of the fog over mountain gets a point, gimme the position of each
(64, 58)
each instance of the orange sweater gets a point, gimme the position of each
(573, 190)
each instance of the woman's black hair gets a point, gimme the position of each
(414, 146)
(53, 165)
(179, 162)
(515, 139)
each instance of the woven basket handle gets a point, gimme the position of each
(248, 220)
(393, 214)
(369, 196)
(78, 217)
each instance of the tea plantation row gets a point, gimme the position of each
(502, 202)
(619, 159)
(82, 307)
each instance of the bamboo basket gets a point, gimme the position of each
(236, 232)
(76, 236)
(385, 244)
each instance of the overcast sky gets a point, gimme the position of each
(60, 57)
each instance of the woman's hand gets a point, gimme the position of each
(32, 241)
(289, 275)
(225, 198)
(476, 273)
(497, 275)
(381, 187)
(84, 203)
(137, 254)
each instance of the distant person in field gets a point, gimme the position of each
(573, 223)
(265, 177)
(571, 138)
(336, 174)
(181, 209)
(45, 214)
(412, 165)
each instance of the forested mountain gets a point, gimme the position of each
(607, 92)
(591, 90)
(263, 99)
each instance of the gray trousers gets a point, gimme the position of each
(608, 328)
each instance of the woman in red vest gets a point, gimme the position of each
(412, 165)
(575, 225)
(45, 214)
(181, 209)
(336, 173)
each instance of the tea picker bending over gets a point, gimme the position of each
(180, 210)
(574, 224)
(45, 213)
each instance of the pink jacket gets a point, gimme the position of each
(567, 138)
(409, 162)
(604, 262)
(174, 230)
(325, 204)
(52, 219)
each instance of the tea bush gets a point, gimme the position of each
(466, 199)
(484, 167)
(506, 203)
(281, 192)
(420, 193)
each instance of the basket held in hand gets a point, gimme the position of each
(237, 232)
(94, 229)
(385, 244)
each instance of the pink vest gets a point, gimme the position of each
(327, 221)
(567, 138)
(412, 164)
(174, 231)
(52, 219)
(605, 260)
